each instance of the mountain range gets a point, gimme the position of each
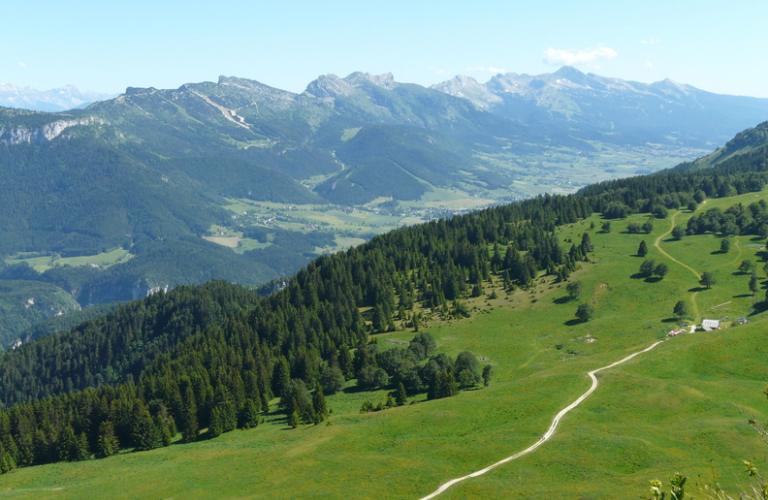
(151, 170)
(590, 106)
(53, 100)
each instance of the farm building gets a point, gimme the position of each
(710, 324)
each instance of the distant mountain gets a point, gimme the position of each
(61, 99)
(593, 107)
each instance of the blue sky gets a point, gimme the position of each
(107, 46)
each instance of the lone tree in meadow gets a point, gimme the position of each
(707, 280)
(642, 250)
(725, 245)
(681, 310)
(754, 284)
(585, 312)
(606, 227)
(678, 232)
(487, 374)
(574, 289)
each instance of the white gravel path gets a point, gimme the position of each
(550, 432)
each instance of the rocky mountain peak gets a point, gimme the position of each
(358, 78)
(467, 87)
(571, 74)
(329, 86)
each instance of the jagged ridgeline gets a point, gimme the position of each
(212, 356)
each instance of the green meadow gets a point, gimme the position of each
(42, 263)
(680, 407)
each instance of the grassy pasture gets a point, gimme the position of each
(674, 408)
(42, 263)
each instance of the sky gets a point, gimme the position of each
(104, 46)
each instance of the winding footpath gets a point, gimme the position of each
(550, 432)
(695, 273)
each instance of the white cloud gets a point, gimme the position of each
(649, 65)
(650, 41)
(583, 57)
(489, 69)
(23, 65)
(437, 71)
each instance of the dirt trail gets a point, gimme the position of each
(550, 432)
(739, 255)
(695, 273)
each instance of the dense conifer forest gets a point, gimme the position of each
(211, 357)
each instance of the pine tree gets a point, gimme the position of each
(487, 374)
(642, 250)
(7, 463)
(66, 444)
(108, 444)
(293, 420)
(754, 284)
(318, 402)
(190, 428)
(249, 415)
(400, 396)
(680, 310)
(81, 451)
(216, 426)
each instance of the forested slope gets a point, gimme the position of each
(210, 357)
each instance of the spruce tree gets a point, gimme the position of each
(400, 396)
(249, 415)
(642, 250)
(754, 284)
(108, 444)
(293, 420)
(487, 374)
(318, 402)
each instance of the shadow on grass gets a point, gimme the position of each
(718, 252)
(698, 289)
(354, 389)
(743, 296)
(638, 276)
(573, 322)
(653, 279)
(670, 320)
(760, 308)
(563, 300)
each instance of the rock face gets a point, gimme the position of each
(45, 133)
(468, 88)
(329, 87)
